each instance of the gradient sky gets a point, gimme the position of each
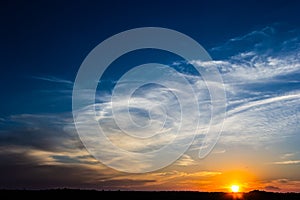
(254, 44)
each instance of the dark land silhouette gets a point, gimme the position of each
(169, 195)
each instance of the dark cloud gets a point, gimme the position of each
(270, 187)
(125, 183)
(21, 171)
(283, 181)
(44, 151)
(43, 132)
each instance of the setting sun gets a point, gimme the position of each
(235, 188)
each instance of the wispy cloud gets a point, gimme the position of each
(287, 155)
(53, 79)
(282, 184)
(263, 102)
(262, 95)
(185, 160)
(287, 162)
(262, 86)
(271, 188)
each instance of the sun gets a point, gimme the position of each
(235, 188)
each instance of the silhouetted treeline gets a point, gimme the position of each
(254, 195)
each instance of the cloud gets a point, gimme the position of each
(168, 176)
(47, 148)
(252, 39)
(262, 102)
(284, 180)
(185, 160)
(272, 188)
(53, 79)
(273, 39)
(220, 151)
(148, 120)
(171, 175)
(287, 155)
(262, 87)
(283, 184)
(43, 132)
(44, 151)
(287, 162)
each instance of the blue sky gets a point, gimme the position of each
(254, 44)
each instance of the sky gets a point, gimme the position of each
(255, 45)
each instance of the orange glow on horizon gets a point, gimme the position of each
(234, 181)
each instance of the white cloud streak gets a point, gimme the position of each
(53, 79)
(287, 162)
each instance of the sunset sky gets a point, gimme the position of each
(255, 45)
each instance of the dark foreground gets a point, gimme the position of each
(84, 194)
